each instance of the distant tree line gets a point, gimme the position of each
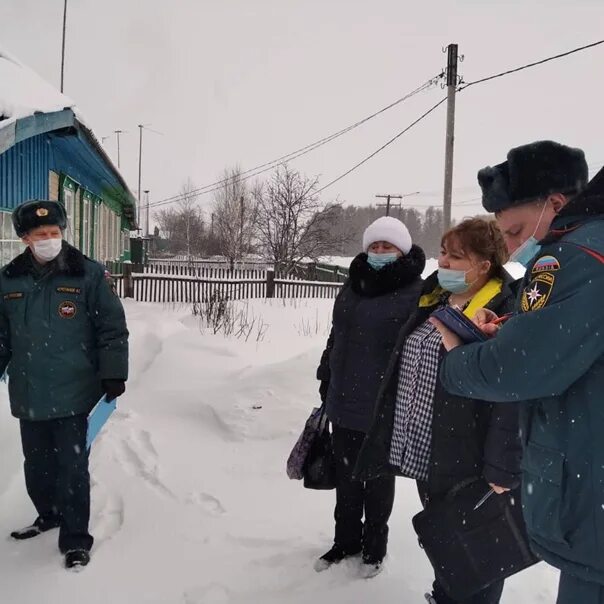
(426, 228)
(281, 219)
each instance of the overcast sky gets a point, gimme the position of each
(245, 81)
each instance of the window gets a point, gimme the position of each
(69, 200)
(96, 250)
(87, 223)
(77, 218)
(10, 245)
(118, 237)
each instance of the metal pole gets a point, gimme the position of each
(63, 45)
(117, 133)
(140, 165)
(452, 58)
(147, 221)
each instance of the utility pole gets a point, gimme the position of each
(241, 219)
(141, 127)
(117, 134)
(63, 44)
(452, 58)
(388, 205)
(140, 166)
(147, 221)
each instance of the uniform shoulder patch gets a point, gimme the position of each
(537, 292)
(546, 264)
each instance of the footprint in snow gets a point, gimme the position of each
(214, 593)
(137, 455)
(107, 515)
(207, 502)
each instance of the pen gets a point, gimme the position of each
(501, 319)
(491, 491)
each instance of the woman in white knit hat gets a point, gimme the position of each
(381, 292)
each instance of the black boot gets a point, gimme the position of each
(76, 558)
(41, 525)
(371, 567)
(334, 556)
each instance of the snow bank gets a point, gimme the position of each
(191, 504)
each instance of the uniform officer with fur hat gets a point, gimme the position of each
(549, 357)
(64, 340)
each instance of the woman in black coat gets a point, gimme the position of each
(422, 432)
(378, 298)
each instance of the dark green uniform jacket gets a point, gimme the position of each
(62, 331)
(550, 358)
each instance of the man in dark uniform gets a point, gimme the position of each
(549, 357)
(64, 340)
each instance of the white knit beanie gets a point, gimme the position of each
(388, 229)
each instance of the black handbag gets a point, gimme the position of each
(471, 549)
(320, 467)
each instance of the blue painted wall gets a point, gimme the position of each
(24, 168)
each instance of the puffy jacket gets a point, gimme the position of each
(367, 316)
(550, 359)
(62, 331)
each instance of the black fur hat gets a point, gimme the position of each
(35, 213)
(532, 172)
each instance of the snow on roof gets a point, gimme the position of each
(23, 92)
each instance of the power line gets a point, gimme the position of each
(308, 148)
(387, 144)
(486, 79)
(529, 65)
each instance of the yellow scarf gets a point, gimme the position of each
(491, 289)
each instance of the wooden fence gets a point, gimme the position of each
(210, 263)
(184, 289)
(241, 270)
(203, 272)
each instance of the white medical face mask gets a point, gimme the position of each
(47, 249)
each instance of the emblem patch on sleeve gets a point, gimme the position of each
(546, 264)
(537, 292)
(67, 310)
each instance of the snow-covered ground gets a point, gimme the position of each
(191, 504)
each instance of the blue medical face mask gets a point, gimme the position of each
(530, 248)
(379, 261)
(453, 281)
(526, 252)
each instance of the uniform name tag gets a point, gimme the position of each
(14, 296)
(63, 289)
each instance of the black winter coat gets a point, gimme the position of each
(368, 314)
(469, 438)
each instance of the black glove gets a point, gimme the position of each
(323, 388)
(113, 388)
